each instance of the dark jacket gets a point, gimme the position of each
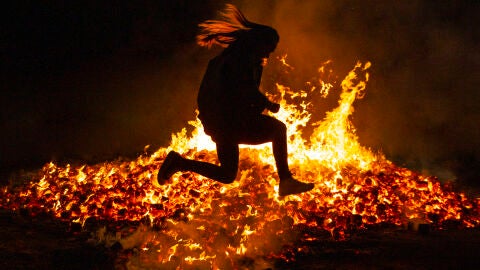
(229, 94)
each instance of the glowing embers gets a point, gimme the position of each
(196, 222)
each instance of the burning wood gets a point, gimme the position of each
(196, 222)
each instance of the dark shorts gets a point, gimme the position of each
(256, 129)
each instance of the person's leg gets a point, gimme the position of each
(268, 129)
(258, 130)
(225, 173)
(280, 151)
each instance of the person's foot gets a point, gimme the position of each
(290, 185)
(168, 168)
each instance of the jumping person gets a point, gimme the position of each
(230, 104)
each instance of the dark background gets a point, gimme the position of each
(95, 80)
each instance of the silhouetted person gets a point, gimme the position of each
(231, 105)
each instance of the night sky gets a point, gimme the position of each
(90, 81)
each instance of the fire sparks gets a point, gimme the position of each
(200, 223)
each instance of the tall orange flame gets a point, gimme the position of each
(196, 222)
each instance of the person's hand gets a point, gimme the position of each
(273, 107)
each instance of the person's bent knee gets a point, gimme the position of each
(282, 127)
(279, 128)
(228, 178)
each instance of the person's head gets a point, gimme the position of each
(237, 33)
(260, 42)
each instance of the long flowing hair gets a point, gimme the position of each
(226, 31)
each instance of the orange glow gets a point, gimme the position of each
(196, 222)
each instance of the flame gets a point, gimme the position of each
(196, 222)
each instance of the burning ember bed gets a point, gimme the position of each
(365, 212)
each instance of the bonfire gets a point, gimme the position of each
(198, 223)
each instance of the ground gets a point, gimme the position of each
(44, 243)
